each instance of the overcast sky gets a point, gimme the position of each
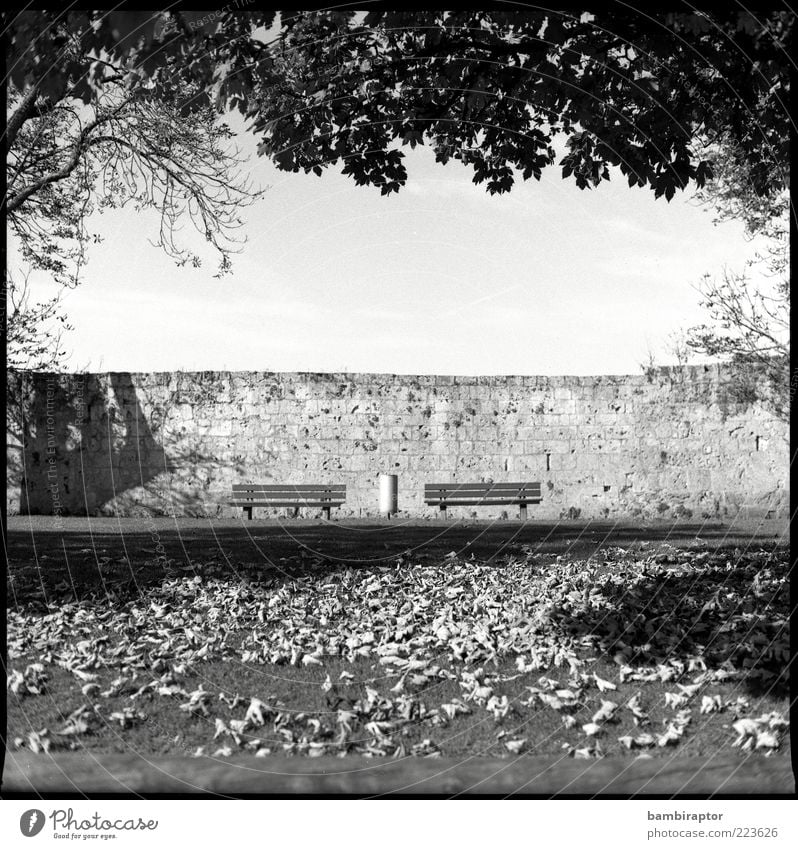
(441, 278)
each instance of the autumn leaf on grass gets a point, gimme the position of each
(592, 729)
(675, 700)
(671, 736)
(737, 706)
(774, 721)
(31, 682)
(604, 685)
(197, 705)
(499, 707)
(711, 704)
(75, 726)
(642, 741)
(117, 687)
(399, 686)
(515, 747)
(257, 712)
(454, 708)
(480, 694)
(760, 733)
(40, 741)
(591, 751)
(533, 665)
(666, 673)
(145, 688)
(747, 730)
(316, 749)
(606, 713)
(551, 701)
(379, 730)
(426, 748)
(128, 716)
(238, 727)
(767, 740)
(633, 704)
(725, 674)
(695, 662)
(82, 675)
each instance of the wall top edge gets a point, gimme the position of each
(306, 376)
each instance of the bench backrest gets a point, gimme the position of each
(488, 492)
(296, 491)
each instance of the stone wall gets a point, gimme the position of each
(673, 443)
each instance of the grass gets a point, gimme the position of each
(235, 627)
(166, 731)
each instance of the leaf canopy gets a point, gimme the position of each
(493, 89)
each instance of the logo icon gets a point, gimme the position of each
(31, 822)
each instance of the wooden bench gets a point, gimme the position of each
(324, 495)
(478, 494)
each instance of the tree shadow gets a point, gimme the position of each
(729, 616)
(90, 445)
(83, 445)
(737, 615)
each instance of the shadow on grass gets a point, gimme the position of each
(717, 608)
(732, 611)
(84, 549)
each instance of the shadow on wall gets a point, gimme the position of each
(87, 445)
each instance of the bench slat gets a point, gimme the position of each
(445, 495)
(289, 487)
(486, 485)
(472, 502)
(238, 503)
(296, 495)
(509, 490)
(532, 490)
(287, 493)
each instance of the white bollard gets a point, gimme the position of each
(389, 494)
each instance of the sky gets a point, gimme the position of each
(441, 278)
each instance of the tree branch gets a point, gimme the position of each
(16, 201)
(24, 111)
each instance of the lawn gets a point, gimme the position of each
(307, 639)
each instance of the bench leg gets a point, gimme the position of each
(443, 511)
(522, 512)
(326, 511)
(248, 511)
